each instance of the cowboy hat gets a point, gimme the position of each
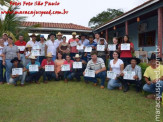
(28, 46)
(32, 57)
(136, 59)
(77, 56)
(33, 35)
(59, 34)
(49, 55)
(5, 34)
(74, 33)
(153, 57)
(52, 34)
(15, 59)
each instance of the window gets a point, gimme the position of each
(147, 39)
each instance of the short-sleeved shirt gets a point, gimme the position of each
(85, 43)
(59, 41)
(94, 44)
(1, 51)
(52, 47)
(31, 43)
(5, 43)
(20, 43)
(10, 52)
(42, 48)
(154, 73)
(137, 70)
(127, 53)
(116, 68)
(96, 66)
(36, 63)
(73, 49)
(19, 66)
(45, 62)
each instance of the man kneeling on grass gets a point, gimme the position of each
(98, 65)
(33, 70)
(18, 72)
(48, 68)
(154, 78)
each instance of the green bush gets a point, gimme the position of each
(143, 67)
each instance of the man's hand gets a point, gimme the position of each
(96, 72)
(83, 73)
(154, 81)
(149, 83)
(122, 74)
(135, 77)
(4, 63)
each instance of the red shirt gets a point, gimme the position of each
(127, 53)
(45, 62)
(73, 49)
(70, 63)
(20, 43)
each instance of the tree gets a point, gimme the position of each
(104, 17)
(4, 2)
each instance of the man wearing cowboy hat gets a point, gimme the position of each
(73, 49)
(133, 67)
(33, 41)
(14, 78)
(51, 46)
(48, 75)
(5, 38)
(79, 71)
(33, 75)
(59, 38)
(154, 78)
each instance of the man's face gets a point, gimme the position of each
(133, 62)
(21, 38)
(82, 37)
(91, 39)
(5, 37)
(32, 61)
(41, 39)
(49, 58)
(97, 36)
(33, 38)
(74, 36)
(153, 62)
(10, 41)
(1, 41)
(102, 42)
(77, 59)
(68, 58)
(59, 37)
(15, 63)
(94, 57)
(52, 37)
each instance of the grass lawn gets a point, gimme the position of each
(73, 102)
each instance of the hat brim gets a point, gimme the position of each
(49, 56)
(78, 57)
(158, 59)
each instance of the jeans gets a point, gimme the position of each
(33, 77)
(101, 75)
(22, 58)
(48, 76)
(78, 74)
(41, 58)
(113, 83)
(8, 69)
(21, 78)
(68, 75)
(54, 57)
(1, 71)
(154, 88)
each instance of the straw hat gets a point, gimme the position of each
(32, 57)
(59, 34)
(5, 34)
(28, 46)
(33, 35)
(74, 33)
(77, 56)
(49, 55)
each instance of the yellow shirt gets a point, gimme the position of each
(154, 73)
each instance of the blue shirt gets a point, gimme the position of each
(36, 63)
(85, 42)
(94, 44)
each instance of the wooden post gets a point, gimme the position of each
(106, 35)
(160, 30)
(126, 27)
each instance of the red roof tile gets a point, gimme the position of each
(56, 25)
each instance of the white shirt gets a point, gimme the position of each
(1, 51)
(31, 43)
(59, 41)
(116, 67)
(98, 42)
(5, 43)
(42, 47)
(52, 47)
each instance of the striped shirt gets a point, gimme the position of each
(96, 66)
(137, 70)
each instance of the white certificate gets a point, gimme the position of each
(111, 75)
(33, 68)
(17, 71)
(49, 68)
(77, 65)
(21, 48)
(80, 47)
(125, 46)
(65, 67)
(73, 44)
(36, 47)
(90, 73)
(112, 47)
(35, 52)
(129, 75)
(88, 49)
(100, 47)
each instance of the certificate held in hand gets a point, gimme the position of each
(17, 71)
(129, 75)
(111, 75)
(88, 49)
(77, 65)
(100, 47)
(36, 47)
(89, 73)
(112, 47)
(125, 46)
(73, 44)
(80, 47)
(21, 48)
(49, 68)
(35, 52)
(65, 67)
(33, 68)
